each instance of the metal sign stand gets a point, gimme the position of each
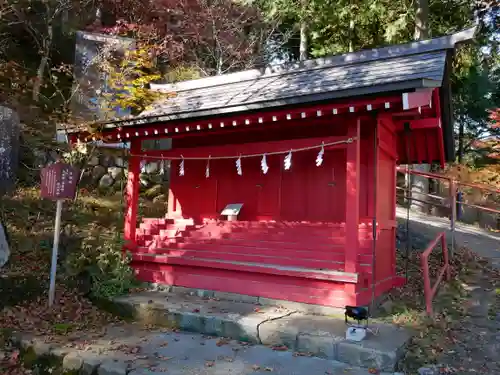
(58, 182)
(55, 248)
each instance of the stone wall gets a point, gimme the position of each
(107, 170)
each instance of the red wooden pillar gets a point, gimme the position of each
(352, 203)
(132, 192)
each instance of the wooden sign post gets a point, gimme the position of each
(58, 182)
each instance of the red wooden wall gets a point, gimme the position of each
(304, 193)
(228, 256)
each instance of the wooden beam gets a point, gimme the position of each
(424, 123)
(244, 148)
(418, 98)
(352, 197)
(132, 192)
(307, 273)
(188, 127)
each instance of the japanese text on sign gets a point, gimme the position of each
(59, 181)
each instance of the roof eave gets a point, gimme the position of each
(274, 104)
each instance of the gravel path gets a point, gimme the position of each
(425, 228)
(476, 347)
(474, 340)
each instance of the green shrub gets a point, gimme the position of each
(102, 261)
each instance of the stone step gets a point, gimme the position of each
(274, 326)
(129, 349)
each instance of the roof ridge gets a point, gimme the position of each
(351, 58)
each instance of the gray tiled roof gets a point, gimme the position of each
(401, 67)
(333, 79)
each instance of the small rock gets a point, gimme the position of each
(94, 160)
(41, 348)
(162, 198)
(151, 168)
(107, 161)
(90, 366)
(98, 171)
(72, 362)
(106, 181)
(112, 368)
(115, 172)
(119, 162)
(428, 370)
(144, 180)
(154, 191)
(156, 178)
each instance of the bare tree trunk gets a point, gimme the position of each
(40, 73)
(461, 131)
(304, 43)
(422, 20)
(419, 184)
(351, 35)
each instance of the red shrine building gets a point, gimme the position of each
(304, 156)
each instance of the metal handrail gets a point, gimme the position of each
(444, 272)
(453, 190)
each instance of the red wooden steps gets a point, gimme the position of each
(272, 269)
(263, 247)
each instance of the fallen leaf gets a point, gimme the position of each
(280, 348)
(14, 357)
(222, 341)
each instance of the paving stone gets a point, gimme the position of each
(204, 293)
(60, 351)
(236, 297)
(322, 336)
(302, 307)
(111, 367)
(191, 322)
(279, 332)
(380, 351)
(214, 326)
(26, 342)
(242, 328)
(41, 348)
(323, 346)
(90, 365)
(72, 361)
(358, 355)
(182, 290)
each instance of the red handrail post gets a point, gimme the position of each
(453, 203)
(445, 272)
(446, 258)
(427, 284)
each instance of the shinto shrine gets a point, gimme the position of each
(283, 180)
